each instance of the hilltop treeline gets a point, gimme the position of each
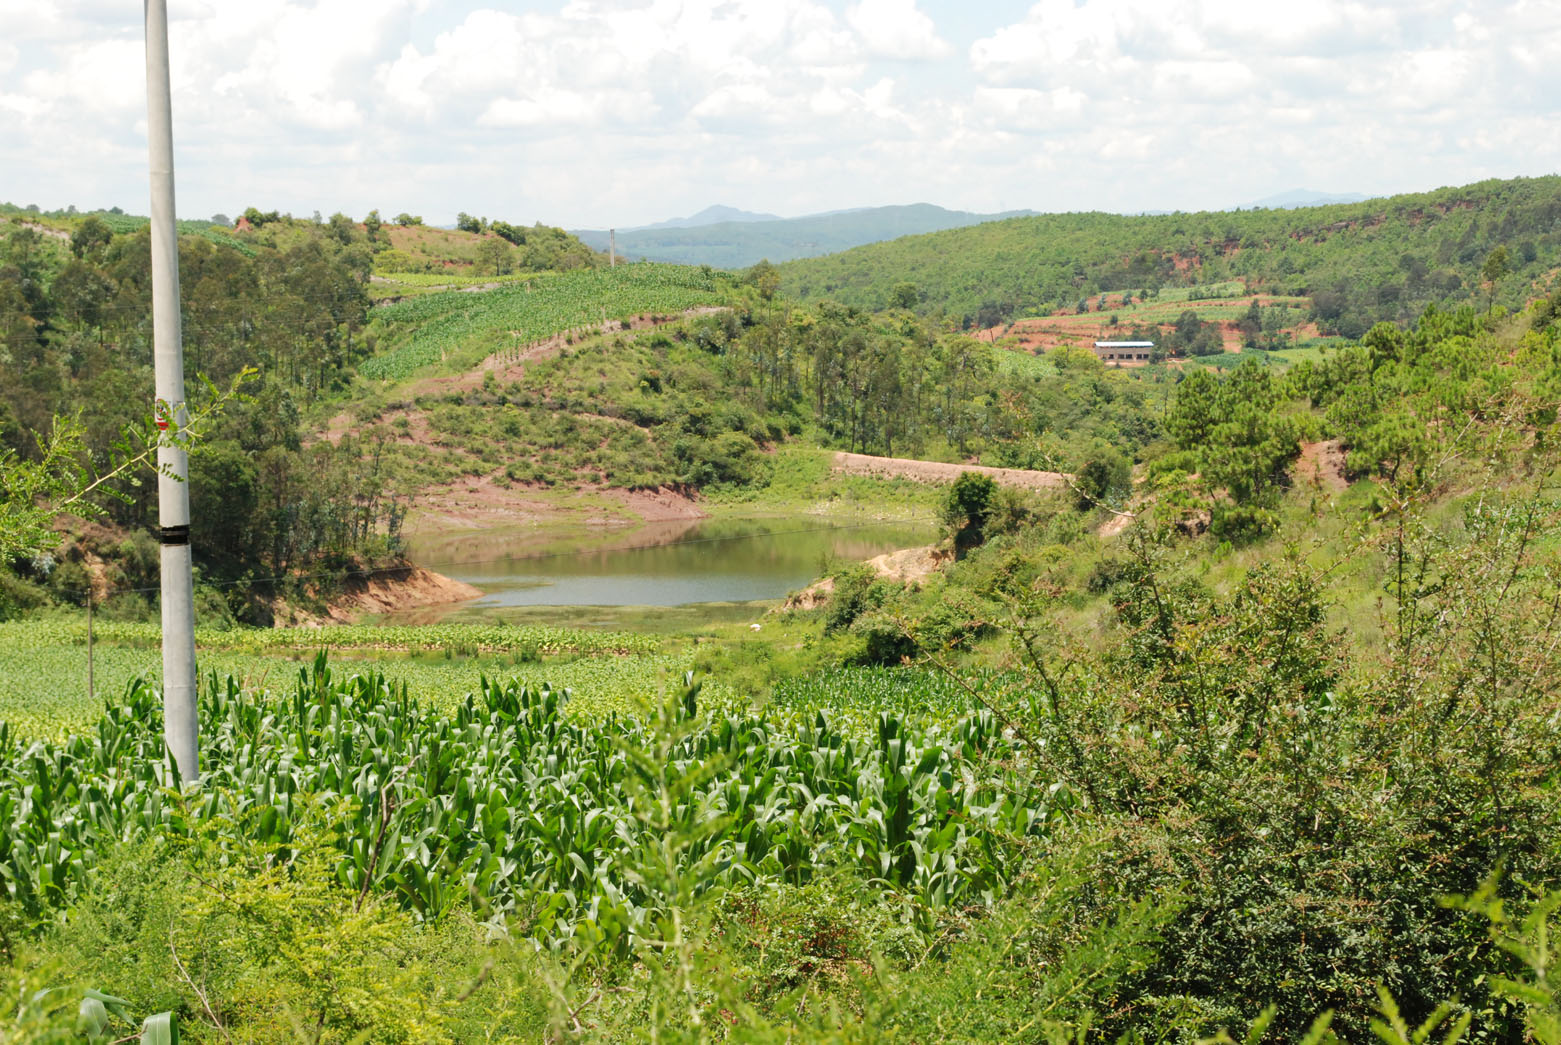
(1360, 263)
(893, 384)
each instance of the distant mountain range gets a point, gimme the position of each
(725, 237)
(709, 216)
(1304, 198)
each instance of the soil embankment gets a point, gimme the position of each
(397, 588)
(939, 472)
(663, 504)
(907, 566)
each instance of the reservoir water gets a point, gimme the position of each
(729, 563)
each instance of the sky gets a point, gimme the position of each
(600, 113)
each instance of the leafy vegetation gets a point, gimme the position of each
(75, 330)
(44, 689)
(886, 807)
(281, 306)
(486, 250)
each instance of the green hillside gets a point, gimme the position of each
(738, 244)
(702, 401)
(1359, 262)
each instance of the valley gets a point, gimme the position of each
(836, 650)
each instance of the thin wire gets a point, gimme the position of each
(500, 558)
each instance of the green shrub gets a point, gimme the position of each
(857, 589)
(966, 508)
(18, 596)
(884, 640)
(1104, 479)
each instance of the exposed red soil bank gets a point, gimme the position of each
(399, 588)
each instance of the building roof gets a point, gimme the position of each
(1124, 344)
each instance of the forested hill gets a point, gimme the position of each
(738, 244)
(1382, 259)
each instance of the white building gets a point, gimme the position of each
(1124, 351)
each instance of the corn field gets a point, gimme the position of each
(510, 807)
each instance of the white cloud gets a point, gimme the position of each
(563, 109)
(1213, 80)
(94, 78)
(1224, 98)
(26, 105)
(736, 104)
(596, 65)
(544, 109)
(1029, 109)
(27, 20)
(896, 29)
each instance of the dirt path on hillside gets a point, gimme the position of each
(938, 472)
(44, 230)
(508, 365)
(1322, 464)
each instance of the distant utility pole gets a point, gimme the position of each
(612, 248)
(173, 462)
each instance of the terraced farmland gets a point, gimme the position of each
(461, 329)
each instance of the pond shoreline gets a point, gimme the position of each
(732, 566)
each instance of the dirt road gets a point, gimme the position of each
(937, 472)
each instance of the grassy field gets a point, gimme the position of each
(43, 664)
(43, 684)
(801, 483)
(1230, 288)
(1314, 352)
(1157, 312)
(1023, 363)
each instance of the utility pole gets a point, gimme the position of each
(173, 462)
(91, 686)
(612, 248)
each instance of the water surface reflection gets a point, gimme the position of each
(661, 564)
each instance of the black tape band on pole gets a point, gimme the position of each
(175, 535)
